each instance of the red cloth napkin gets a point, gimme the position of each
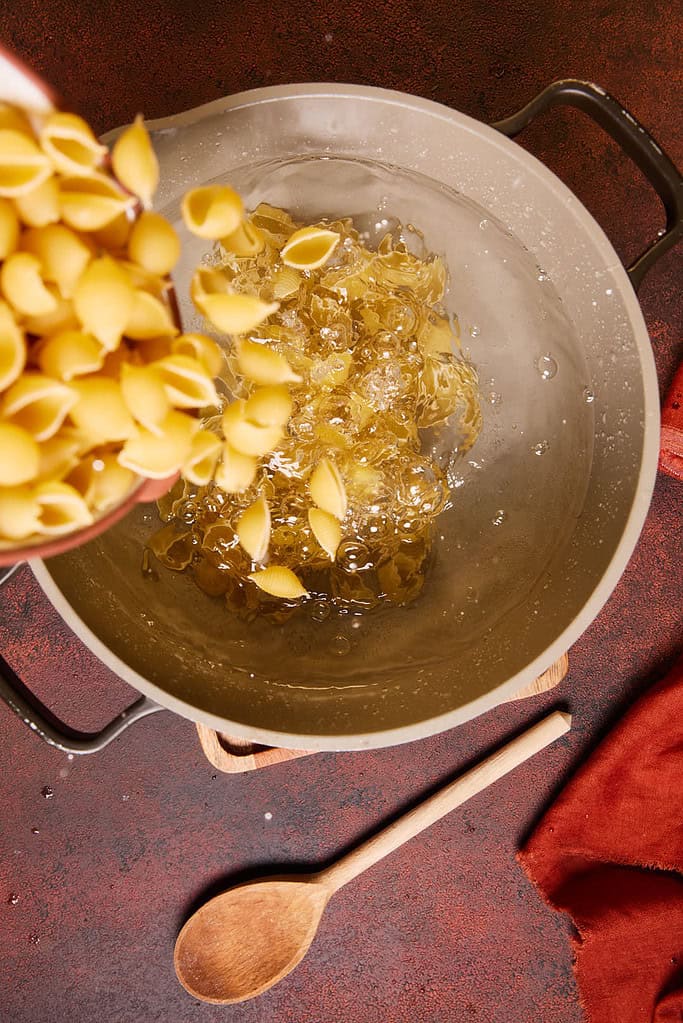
(609, 852)
(671, 450)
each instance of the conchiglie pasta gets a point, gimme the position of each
(61, 508)
(59, 455)
(12, 347)
(70, 144)
(22, 164)
(263, 365)
(247, 437)
(70, 354)
(145, 396)
(100, 412)
(90, 204)
(236, 471)
(154, 244)
(285, 282)
(14, 119)
(269, 406)
(235, 314)
(134, 161)
(212, 211)
(40, 206)
(9, 228)
(103, 299)
(309, 248)
(23, 286)
(114, 235)
(101, 481)
(160, 455)
(62, 317)
(200, 465)
(19, 514)
(38, 404)
(245, 240)
(279, 581)
(187, 383)
(19, 455)
(200, 347)
(62, 253)
(149, 317)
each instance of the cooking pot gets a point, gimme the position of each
(546, 508)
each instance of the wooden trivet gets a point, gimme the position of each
(233, 755)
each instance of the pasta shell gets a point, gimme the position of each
(212, 211)
(89, 204)
(154, 244)
(154, 349)
(285, 282)
(200, 465)
(23, 286)
(14, 119)
(70, 144)
(134, 161)
(12, 348)
(247, 437)
(262, 365)
(22, 165)
(149, 317)
(236, 472)
(186, 381)
(58, 455)
(9, 228)
(62, 254)
(40, 206)
(279, 582)
(62, 317)
(253, 529)
(235, 314)
(326, 530)
(245, 240)
(100, 412)
(141, 278)
(145, 396)
(101, 481)
(19, 513)
(103, 300)
(208, 280)
(327, 488)
(38, 404)
(157, 456)
(114, 236)
(19, 455)
(269, 406)
(436, 336)
(309, 248)
(70, 354)
(61, 508)
(200, 347)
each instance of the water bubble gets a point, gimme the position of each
(588, 396)
(13, 899)
(69, 756)
(499, 517)
(661, 232)
(542, 275)
(47, 792)
(546, 366)
(494, 398)
(268, 815)
(355, 624)
(340, 646)
(540, 448)
(35, 831)
(34, 939)
(475, 331)
(609, 291)
(483, 224)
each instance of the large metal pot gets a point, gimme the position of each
(549, 507)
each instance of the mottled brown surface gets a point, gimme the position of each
(448, 929)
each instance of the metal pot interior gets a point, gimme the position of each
(546, 507)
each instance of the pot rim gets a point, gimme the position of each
(633, 526)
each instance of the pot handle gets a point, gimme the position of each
(633, 139)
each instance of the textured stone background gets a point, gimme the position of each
(106, 870)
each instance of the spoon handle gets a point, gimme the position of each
(446, 799)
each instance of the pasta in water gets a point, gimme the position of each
(135, 163)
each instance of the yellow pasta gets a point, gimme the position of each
(89, 204)
(154, 349)
(103, 300)
(23, 286)
(160, 455)
(145, 396)
(14, 119)
(40, 206)
(212, 211)
(285, 282)
(200, 347)
(12, 347)
(19, 513)
(62, 253)
(22, 165)
(154, 244)
(236, 471)
(70, 354)
(245, 240)
(38, 404)
(59, 455)
(187, 383)
(247, 437)
(253, 529)
(279, 582)
(262, 365)
(149, 317)
(235, 314)
(327, 488)
(134, 161)
(326, 530)
(200, 465)
(62, 317)
(20, 455)
(70, 144)
(269, 406)
(61, 508)
(100, 412)
(101, 481)
(309, 248)
(114, 235)
(9, 228)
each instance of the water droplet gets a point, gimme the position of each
(494, 398)
(542, 275)
(47, 792)
(661, 232)
(268, 815)
(340, 646)
(355, 624)
(540, 448)
(546, 366)
(609, 291)
(13, 899)
(34, 939)
(125, 798)
(499, 518)
(69, 756)
(474, 330)
(483, 224)
(35, 831)
(588, 396)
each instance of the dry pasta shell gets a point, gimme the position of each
(100, 412)
(208, 280)
(89, 204)
(12, 348)
(200, 347)
(285, 282)
(212, 211)
(157, 456)
(154, 349)
(279, 581)
(63, 317)
(154, 244)
(326, 530)
(187, 382)
(19, 455)
(245, 240)
(62, 253)
(149, 317)
(38, 404)
(327, 488)
(22, 165)
(61, 508)
(23, 286)
(134, 161)
(145, 396)
(40, 206)
(143, 279)
(19, 513)
(269, 406)
(101, 481)
(200, 465)
(247, 437)
(103, 299)
(70, 354)
(309, 248)
(262, 365)
(235, 472)
(253, 529)
(14, 119)
(235, 314)
(113, 237)
(58, 455)
(70, 144)
(9, 228)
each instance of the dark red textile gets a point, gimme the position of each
(671, 451)
(609, 852)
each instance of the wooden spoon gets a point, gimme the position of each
(242, 942)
